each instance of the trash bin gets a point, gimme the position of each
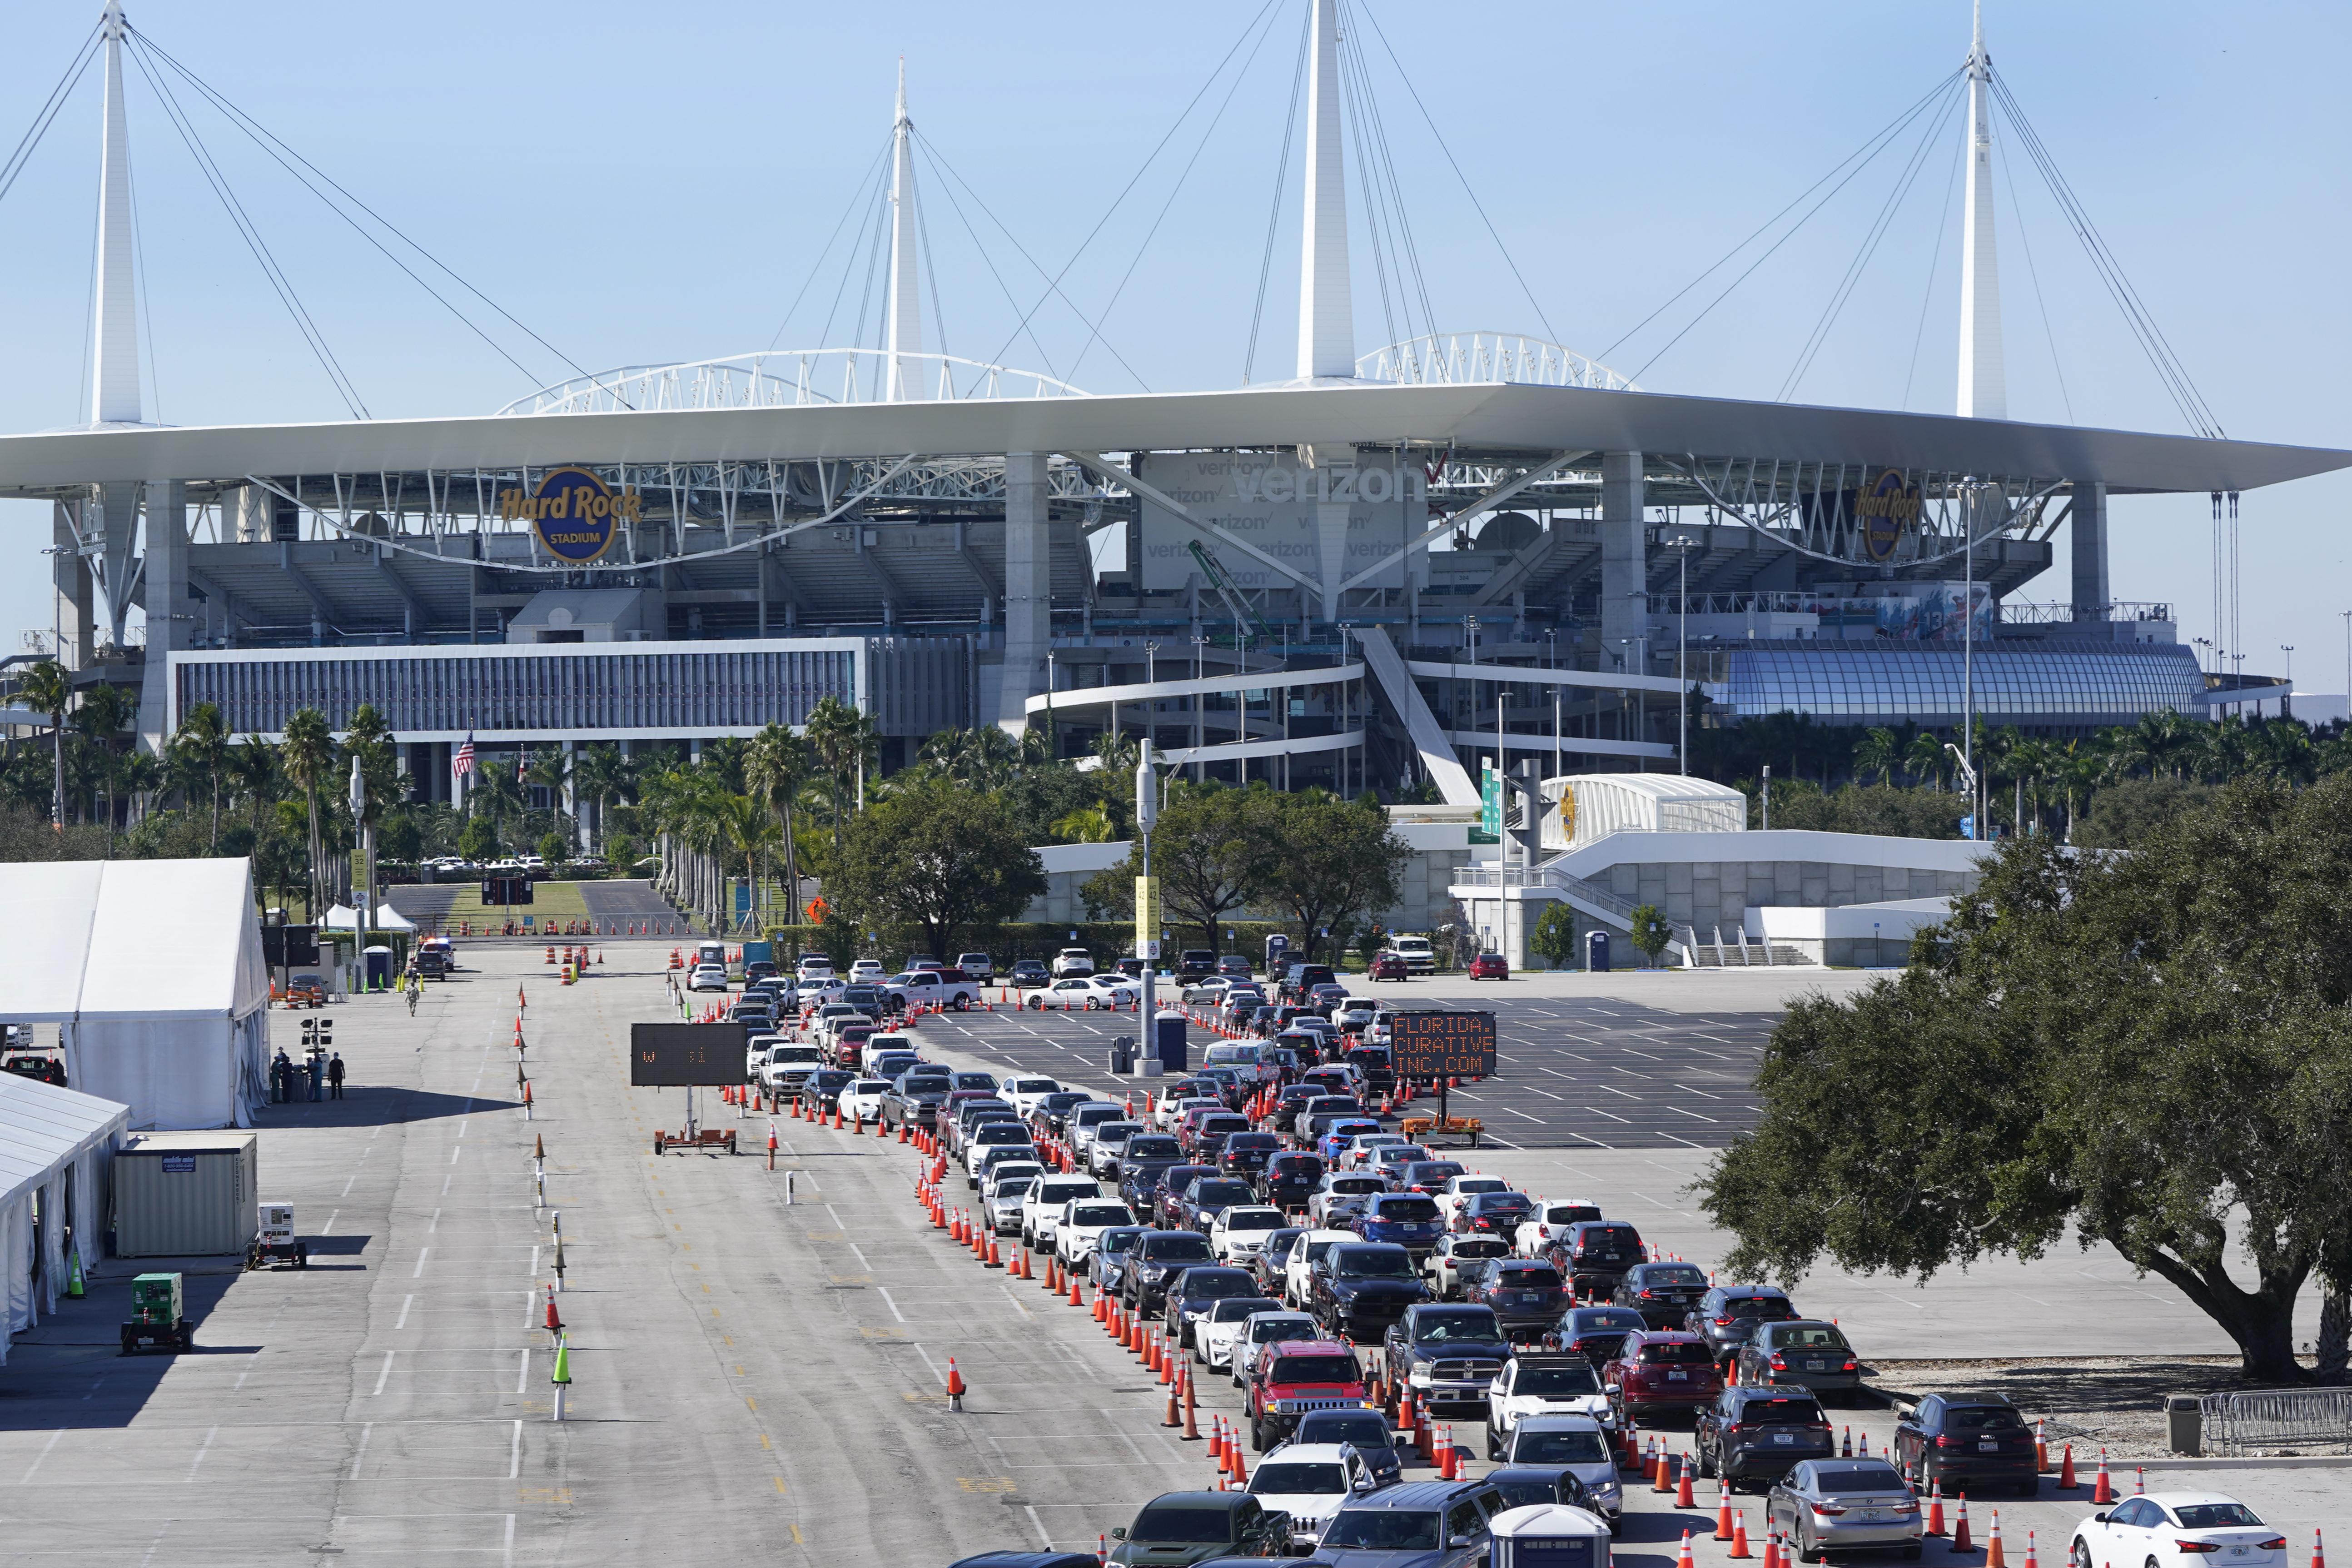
(1122, 1054)
(1168, 1041)
(2184, 1424)
(1596, 952)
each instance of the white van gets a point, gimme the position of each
(1419, 957)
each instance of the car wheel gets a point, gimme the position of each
(2080, 1554)
(1494, 1449)
(1037, 1002)
(1257, 1435)
(1806, 1550)
(1706, 1462)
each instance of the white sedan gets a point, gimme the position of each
(707, 977)
(1023, 1093)
(1238, 1233)
(1458, 1190)
(2171, 1528)
(1080, 1222)
(867, 971)
(863, 1098)
(1088, 992)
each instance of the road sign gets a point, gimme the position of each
(665, 1055)
(1442, 1045)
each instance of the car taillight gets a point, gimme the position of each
(1645, 1295)
(1945, 1443)
(2198, 1546)
(1849, 1365)
(2275, 1544)
(1827, 1509)
(1817, 1426)
(1780, 1361)
(1723, 1322)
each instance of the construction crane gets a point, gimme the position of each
(1234, 601)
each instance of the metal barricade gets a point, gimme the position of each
(2300, 1418)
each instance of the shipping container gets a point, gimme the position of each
(185, 1195)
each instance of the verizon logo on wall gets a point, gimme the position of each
(1275, 502)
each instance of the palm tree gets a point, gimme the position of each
(599, 775)
(105, 708)
(252, 768)
(744, 826)
(1923, 759)
(1875, 753)
(776, 768)
(201, 744)
(47, 688)
(308, 752)
(845, 743)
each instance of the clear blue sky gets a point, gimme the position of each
(642, 183)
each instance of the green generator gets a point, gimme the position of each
(156, 1315)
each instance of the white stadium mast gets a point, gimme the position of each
(114, 398)
(1327, 323)
(906, 297)
(1984, 393)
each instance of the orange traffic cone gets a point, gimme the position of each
(955, 1386)
(2139, 1481)
(1771, 1544)
(1076, 1299)
(1684, 1560)
(1960, 1542)
(2318, 1555)
(1448, 1467)
(2104, 1492)
(2029, 1560)
(1658, 1459)
(1934, 1508)
(1993, 1558)
(1739, 1534)
(1722, 1510)
(2066, 1481)
(1682, 1496)
(1217, 1438)
(2041, 1451)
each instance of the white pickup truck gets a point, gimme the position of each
(932, 988)
(786, 1066)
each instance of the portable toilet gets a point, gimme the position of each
(1548, 1535)
(379, 967)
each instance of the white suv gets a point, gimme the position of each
(1550, 1220)
(1073, 961)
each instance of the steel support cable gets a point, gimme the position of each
(1108, 347)
(1935, 266)
(2169, 365)
(1871, 238)
(2049, 335)
(1281, 177)
(47, 114)
(252, 237)
(1353, 96)
(876, 258)
(875, 202)
(1691, 469)
(1478, 205)
(1144, 246)
(1869, 150)
(1053, 288)
(1350, 44)
(947, 188)
(756, 541)
(856, 198)
(273, 145)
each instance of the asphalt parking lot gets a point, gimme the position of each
(752, 1377)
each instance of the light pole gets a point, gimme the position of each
(2286, 701)
(1052, 738)
(1683, 544)
(1200, 707)
(1968, 772)
(1147, 940)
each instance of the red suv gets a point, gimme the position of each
(1390, 966)
(1490, 966)
(1297, 1377)
(1662, 1369)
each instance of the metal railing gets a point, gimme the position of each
(1456, 358)
(2299, 1418)
(1560, 881)
(789, 378)
(2017, 613)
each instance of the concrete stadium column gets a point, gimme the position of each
(1624, 565)
(169, 617)
(1028, 588)
(2088, 522)
(70, 574)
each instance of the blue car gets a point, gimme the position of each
(1409, 1219)
(1340, 1134)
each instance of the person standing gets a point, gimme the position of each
(335, 1076)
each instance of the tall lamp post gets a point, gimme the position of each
(1683, 544)
(2286, 700)
(1147, 817)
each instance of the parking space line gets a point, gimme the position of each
(206, 1448)
(367, 1430)
(422, 1254)
(27, 1479)
(522, 1374)
(514, 1455)
(383, 1376)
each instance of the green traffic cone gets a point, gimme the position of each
(562, 1364)
(73, 1274)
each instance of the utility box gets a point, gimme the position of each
(185, 1195)
(276, 1224)
(156, 1301)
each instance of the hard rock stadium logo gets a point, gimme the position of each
(576, 515)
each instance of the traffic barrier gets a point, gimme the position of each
(2040, 1450)
(1739, 1534)
(1960, 1542)
(955, 1386)
(554, 1323)
(2103, 1494)
(1993, 1558)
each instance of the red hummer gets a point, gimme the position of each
(1297, 1377)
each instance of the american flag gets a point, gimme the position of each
(464, 761)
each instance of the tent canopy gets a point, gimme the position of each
(383, 917)
(98, 941)
(44, 1129)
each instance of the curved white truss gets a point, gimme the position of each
(1442, 358)
(781, 379)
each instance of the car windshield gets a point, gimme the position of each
(1431, 1172)
(1320, 1479)
(1809, 1338)
(1757, 1306)
(1504, 1203)
(1118, 1241)
(1153, 1147)
(1780, 1412)
(1676, 1353)
(1254, 1219)
(1481, 1185)
(1233, 1310)
(1372, 1263)
(1522, 1494)
(1383, 1529)
(1437, 1327)
(1187, 1526)
(1364, 1428)
(1471, 1246)
(1011, 1187)
(1578, 1447)
(1982, 1418)
(1177, 1246)
(1833, 1480)
(1673, 1274)
(2207, 1515)
(1213, 1285)
(1289, 1326)
(1529, 1278)
(1557, 1381)
(1315, 1369)
(1405, 1208)
(1605, 1318)
(1099, 1213)
(1217, 1194)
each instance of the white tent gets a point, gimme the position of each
(153, 972)
(54, 1147)
(383, 917)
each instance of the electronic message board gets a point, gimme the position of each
(664, 1056)
(1442, 1045)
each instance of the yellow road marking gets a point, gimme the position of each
(752, 1402)
(796, 1534)
(883, 1333)
(986, 1484)
(780, 1487)
(763, 1441)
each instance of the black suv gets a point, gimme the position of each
(1362, 1287)
(1195, 963)
(1595, 1253)
(1757, 1434)
(1726, 1316)
(1663, 1294)
(1142, 1160)
(1965, 1440)
(1288, 1180)
(1156, 1261)
(1595, 1333)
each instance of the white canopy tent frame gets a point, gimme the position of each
(55, 1145)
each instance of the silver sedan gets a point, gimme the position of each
(1844, 1505)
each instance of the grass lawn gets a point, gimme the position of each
(550, 900)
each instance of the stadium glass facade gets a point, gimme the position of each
(2049, 687)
